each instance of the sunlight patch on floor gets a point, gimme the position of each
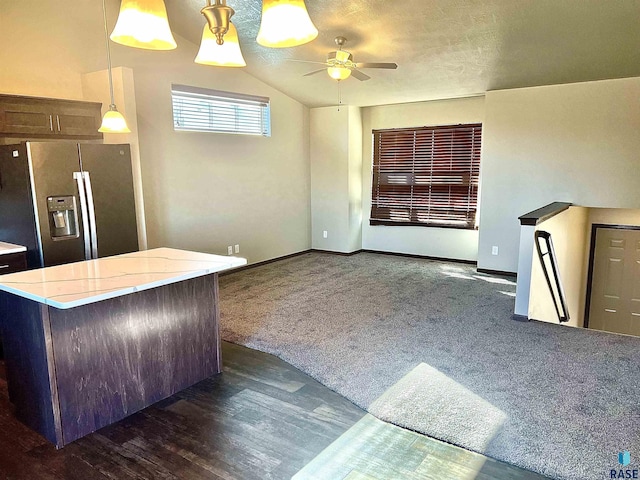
(428, 400)
(376, 450)
(500, 281)
(458, 275)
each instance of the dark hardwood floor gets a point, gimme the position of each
(260, 419)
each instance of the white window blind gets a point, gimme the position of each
(204, 110)
(426, 176)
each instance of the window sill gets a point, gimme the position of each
(386, 223)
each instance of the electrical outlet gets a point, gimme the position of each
(325, 234)
(229, 250)
(236, 248)
(494, 250)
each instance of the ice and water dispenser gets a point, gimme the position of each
(63, 217)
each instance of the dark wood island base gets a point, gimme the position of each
(72, 371)
(89, 343)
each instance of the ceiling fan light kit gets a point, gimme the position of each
(339, 73)
(340, 64)
(285, 23)
(143, 24)
(227, 54)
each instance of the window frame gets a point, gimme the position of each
(407, 160)
(222, 107)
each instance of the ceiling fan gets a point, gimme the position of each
(340, 64)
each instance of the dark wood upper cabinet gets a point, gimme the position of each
(37, 117)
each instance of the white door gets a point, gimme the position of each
(615, 283)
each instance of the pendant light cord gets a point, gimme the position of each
(106, 36)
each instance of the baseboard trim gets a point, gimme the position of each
(395, 254)
(519, 318)
(343, 254)
(497, 272)
(264, 262)
(424, 257)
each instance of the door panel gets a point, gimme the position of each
(109, 167)
(615, 284)
(53, 165)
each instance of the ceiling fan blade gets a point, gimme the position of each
(305, 61)
(359, 75)
(314, 72)
(391, 66)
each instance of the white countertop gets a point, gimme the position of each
(81, 283)
(6, 248)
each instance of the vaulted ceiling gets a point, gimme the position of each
(443, 48)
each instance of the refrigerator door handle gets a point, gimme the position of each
(77, 176)
(92, 215)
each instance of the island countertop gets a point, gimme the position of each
(7, 248)
(74, 284)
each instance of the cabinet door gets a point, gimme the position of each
(78, 119)
(25, 118)
(49, 118)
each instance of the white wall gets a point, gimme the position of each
(205, 191)
(43, 51)
(336, 178)
(436, 242)
(575, 143)
(201, 191)
(568, 232)
(611, 216)
(355, 179)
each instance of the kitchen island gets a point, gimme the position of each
(89, 343)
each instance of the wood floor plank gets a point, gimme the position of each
(68, 466)
(260, 419)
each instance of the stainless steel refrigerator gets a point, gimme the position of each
(66, 201)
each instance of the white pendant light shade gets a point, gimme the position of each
(113, 122)
(339, 73)
(285, 23)
(143, 24)
(226, 55)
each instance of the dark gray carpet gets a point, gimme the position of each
(557, 400)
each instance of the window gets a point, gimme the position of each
(204, 110)
(426, 176)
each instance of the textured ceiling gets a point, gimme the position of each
(443, 48)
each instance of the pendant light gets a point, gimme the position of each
(218, 18)
(143, 24)
(285, 23)
(226, 55)
(113, 121)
